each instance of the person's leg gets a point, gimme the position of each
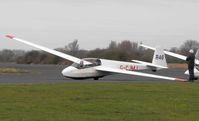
(191, 75)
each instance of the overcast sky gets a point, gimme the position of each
(55, 23)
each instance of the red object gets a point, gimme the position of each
(10, 36)
(181, 80)
(81, 62)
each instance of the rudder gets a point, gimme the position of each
(159, 57)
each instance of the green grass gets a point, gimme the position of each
(12, 70)
(100, 102)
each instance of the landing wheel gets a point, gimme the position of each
(96, 78)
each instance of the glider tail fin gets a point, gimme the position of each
(197, 54)
(159, 57)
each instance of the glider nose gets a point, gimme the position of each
(67, 71)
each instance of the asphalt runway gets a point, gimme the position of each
(52, 74)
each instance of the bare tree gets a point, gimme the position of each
(73, 47)
(187, 45)
(126, 45)
(174, 49)
(112, 45)
(6, 55)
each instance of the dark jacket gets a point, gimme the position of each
(191, 60)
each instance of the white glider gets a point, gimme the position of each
(97, 68)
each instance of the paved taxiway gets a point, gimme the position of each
(52, 74)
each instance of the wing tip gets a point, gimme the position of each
(10, 36)
(180, 80)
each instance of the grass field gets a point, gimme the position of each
(12, 70)
(100, 101)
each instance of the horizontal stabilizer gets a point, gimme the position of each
(149, 64)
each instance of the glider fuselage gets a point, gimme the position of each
(84, 71)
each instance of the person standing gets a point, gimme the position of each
(191, 63)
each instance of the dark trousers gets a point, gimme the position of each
(191, 73)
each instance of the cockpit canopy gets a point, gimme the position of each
(93, 61)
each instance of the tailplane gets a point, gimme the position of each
(158, 62)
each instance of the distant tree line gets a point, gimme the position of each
(125, 50)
